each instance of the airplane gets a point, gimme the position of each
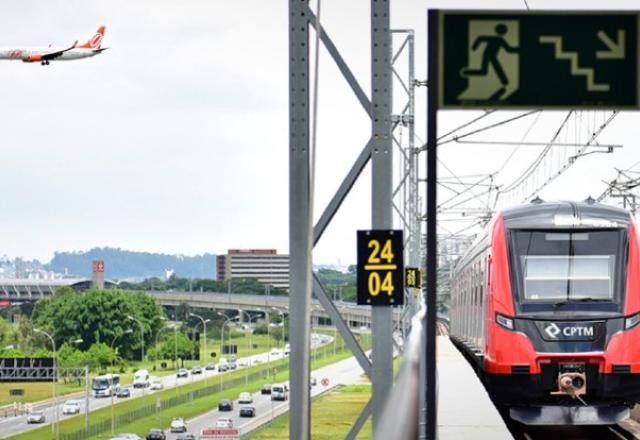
(44, 56)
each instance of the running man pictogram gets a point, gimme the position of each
(497, 59)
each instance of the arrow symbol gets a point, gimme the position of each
(615, 49)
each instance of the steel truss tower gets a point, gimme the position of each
(303, 235)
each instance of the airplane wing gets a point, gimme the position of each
(57, 53)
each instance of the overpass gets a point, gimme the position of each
(28, 290)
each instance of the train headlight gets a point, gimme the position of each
(507, 323)
(632, 321)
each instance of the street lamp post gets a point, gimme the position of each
(204, 326)
(115, 338)
(222, 340)
(284, 330)
(54, 427)
(141, 334)
(155, 358)
(86, 389)
(249, 345)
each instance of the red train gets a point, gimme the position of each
(546, 306)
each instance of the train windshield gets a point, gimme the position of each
(576, 266)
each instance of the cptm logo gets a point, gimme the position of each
(569, 331)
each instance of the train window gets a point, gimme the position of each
(566, 266)
(559, 277)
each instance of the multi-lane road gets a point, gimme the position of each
(15, 425)
(344, 372)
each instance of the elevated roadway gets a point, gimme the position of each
(17, 291)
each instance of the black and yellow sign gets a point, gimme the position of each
(412, 277)
(380, 268)
(547, 59)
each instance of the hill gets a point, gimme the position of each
(127, 265)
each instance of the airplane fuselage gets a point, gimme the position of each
(31, 55)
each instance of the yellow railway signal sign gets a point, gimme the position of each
(380, 268)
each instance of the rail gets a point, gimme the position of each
(401, 416)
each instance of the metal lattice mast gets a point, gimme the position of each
(379, 151)
(406, 196)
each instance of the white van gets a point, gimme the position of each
(279, 392)
(141, 379)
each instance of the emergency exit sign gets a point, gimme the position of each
(538, 59)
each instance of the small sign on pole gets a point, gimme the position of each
(412, 277)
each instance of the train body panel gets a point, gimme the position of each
(546, 304)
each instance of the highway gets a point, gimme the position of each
(344, 372)
(16, 425)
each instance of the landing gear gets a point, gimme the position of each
(44, 62)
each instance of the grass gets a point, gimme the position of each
(332, 416)
(38, 391)
(188, 410)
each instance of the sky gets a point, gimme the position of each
(175, 140)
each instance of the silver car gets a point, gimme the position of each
(71, 406)
(36, 416)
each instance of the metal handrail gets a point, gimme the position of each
(400, 419)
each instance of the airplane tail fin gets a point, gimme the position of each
(95, 41)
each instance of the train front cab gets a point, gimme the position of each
(562, 342)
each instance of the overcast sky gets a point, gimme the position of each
(175, 140)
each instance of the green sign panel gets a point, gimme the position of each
(539, 60)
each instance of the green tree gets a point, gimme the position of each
(174, 344)
(100, 355)
(100, 316)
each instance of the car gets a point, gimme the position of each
(123, 392)
(243, 363)
(196, 369)
(266, 389)
(247, 411)
(71, 406)
(287, 350)
(223, 367)
(210, 366)
(36, 416)
(225, 405)
(156, 383)
(126, 436)
(232, 364)
(279, 392)
(156, 434)
(275, 352)
(224, 422)
(313, 381)
(245, 397)
(186, 436)
(182, 372)
(178, 425)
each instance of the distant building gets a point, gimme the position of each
(266, 265)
